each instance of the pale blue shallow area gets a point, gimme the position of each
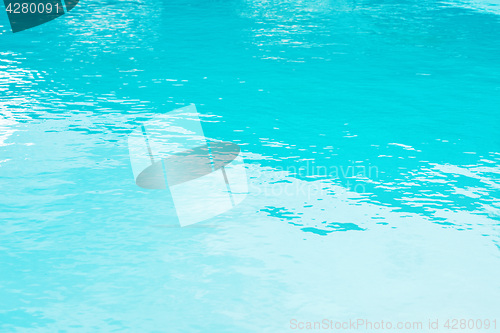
(407, 89)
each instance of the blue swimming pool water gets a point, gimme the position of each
(370, 130)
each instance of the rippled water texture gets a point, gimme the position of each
(370, 130)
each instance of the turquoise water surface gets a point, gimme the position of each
(370, 131)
